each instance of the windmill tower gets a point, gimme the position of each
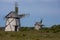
(13, 20)
(38, 25)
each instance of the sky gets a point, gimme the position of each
(48, 10)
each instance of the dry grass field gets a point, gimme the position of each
(29, 35)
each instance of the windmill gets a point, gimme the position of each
(38, 25)
(13, 20)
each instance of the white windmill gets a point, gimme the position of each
(13, 20)
(38, 25)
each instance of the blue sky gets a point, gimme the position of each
(49, 10)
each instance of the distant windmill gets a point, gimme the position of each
(38, 25)
(13, 20)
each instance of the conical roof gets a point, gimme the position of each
(12, 14)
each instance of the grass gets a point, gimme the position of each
(29, 35)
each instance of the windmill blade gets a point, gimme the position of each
(9, 22)
(23, 15)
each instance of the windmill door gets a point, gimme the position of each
(16, 28)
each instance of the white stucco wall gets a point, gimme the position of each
(37, 27)
(11, 22)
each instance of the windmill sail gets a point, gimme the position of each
(16, 8)
(41, 21)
